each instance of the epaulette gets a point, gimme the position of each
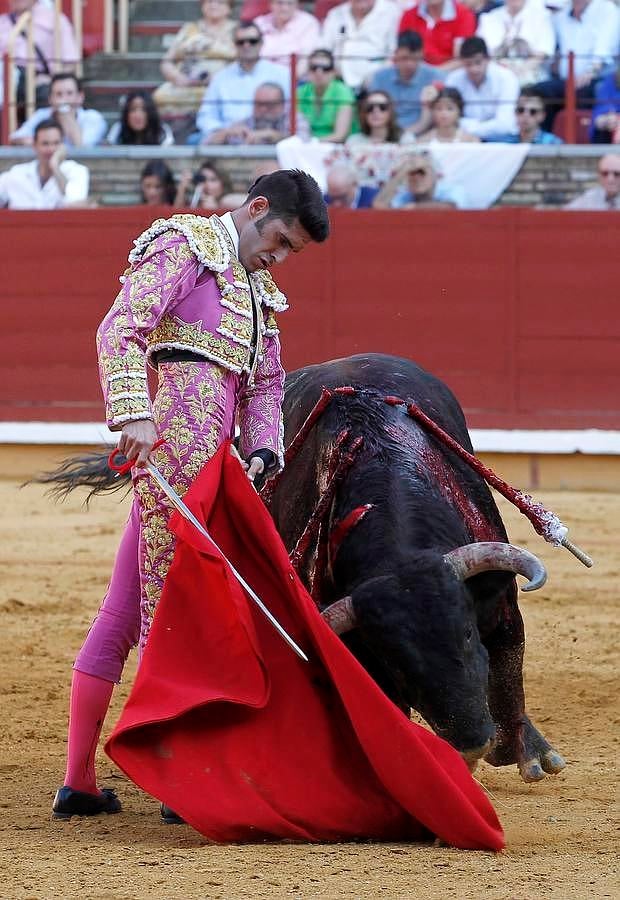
(204, 240)
(268, 292)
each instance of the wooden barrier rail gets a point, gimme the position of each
(515, 309)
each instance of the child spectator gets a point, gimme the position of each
(446, 109)
(157, 184)
(324, 101)
(140, 123)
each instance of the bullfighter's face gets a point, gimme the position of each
(265, 241)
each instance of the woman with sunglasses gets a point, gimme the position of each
(377, 121)
(446, 109)
(325, 101)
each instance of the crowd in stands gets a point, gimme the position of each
(366, 72)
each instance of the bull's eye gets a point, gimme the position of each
(469, 633)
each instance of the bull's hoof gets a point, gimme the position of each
(527, 747)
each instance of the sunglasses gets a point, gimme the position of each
(252, 41)
(530, 110)
(382, 107)
(417, 172)
(320, 67)
(605, 173)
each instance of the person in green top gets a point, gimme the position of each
(326, 102)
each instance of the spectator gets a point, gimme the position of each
(230, 95)
(361, 34)
(49, 181)
(286, 30)
(344, 191)
(489, 91)
(377, 121)
(606, 195)
(424, 188)
(268, 124)
(324, 101)
(46, 62)
(157, 184)
(405, 80)
(442, 25)
(210, 188)
(199, 50)
(521, 34)
(530, 114)
(80, 127)
(606, 111)
(591, 29)
(140, 123)
(446, 109)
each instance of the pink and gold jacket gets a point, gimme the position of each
(186, 289)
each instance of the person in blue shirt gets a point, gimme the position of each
(530, 113)
(606, 110)
(405, 81)
(230, 94)
(344, 190)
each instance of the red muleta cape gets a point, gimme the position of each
(244, 740)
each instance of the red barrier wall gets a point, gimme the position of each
(515, 309)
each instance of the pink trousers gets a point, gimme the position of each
(116, 627)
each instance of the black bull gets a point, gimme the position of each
(434, 620)
(444, 637)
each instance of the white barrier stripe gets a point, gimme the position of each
(485, 440)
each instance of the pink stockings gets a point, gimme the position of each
(99, 664)
(90, 698)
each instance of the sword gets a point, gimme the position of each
(187, 514)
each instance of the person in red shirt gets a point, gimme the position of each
(442, 24)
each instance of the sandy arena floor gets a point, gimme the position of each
(561, 836)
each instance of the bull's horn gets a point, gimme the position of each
(340, 615)
(490, 556)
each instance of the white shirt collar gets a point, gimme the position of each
(229, 225)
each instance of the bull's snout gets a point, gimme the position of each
(473, 757)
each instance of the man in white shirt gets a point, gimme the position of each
(80, 127)
(591, 30)
(48, 181)
(362, 36)
(230, 95)
(489, 91)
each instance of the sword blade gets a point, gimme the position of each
(184, 510)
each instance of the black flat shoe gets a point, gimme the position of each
(169, 817)
(68, 802)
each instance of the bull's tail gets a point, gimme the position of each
(88, 470)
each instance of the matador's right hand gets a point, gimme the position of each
(137, 440)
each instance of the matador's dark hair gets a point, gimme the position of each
(293, 194)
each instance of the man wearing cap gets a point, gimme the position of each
(417, 184)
